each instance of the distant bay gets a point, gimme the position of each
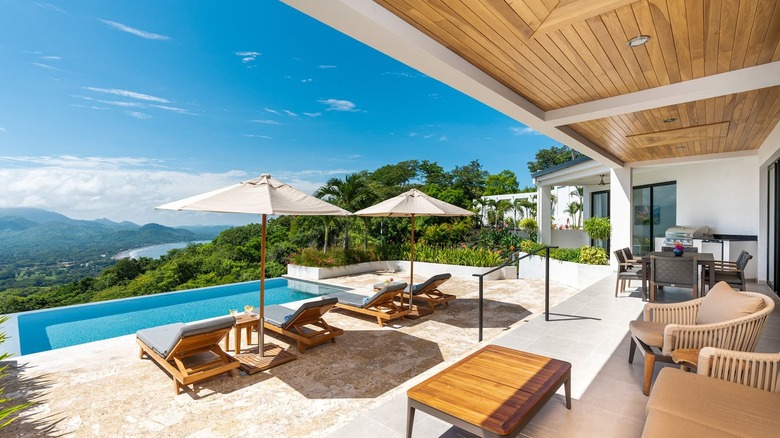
(154, 251)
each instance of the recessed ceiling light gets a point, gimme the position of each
(638, 40)
(670, 120)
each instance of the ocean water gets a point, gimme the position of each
(154, 251)
(43, 330)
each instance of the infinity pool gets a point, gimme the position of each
(43, 330)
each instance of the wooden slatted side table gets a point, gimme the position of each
(494, 392)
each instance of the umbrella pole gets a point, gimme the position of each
(411, 272)
(261, 328)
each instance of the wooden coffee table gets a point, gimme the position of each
(494, 392)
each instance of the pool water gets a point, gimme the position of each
(65, 326)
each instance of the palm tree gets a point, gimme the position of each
(501, 207)
(352, 193)
(517, 206)
(576, 214)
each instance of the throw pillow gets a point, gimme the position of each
(723, 303)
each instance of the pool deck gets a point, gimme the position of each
(104, 389)
(357, 387)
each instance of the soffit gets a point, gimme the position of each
(556, 54)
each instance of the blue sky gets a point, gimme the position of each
(110, 108)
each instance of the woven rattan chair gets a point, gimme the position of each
(674, 271)
(626, 272)
(755, 370)
(723, 319)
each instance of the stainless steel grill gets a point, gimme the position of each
(685, 235)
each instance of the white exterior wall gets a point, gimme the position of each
(722, 194)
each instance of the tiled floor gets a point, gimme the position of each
(590, 330)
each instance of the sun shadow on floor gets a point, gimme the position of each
(19, 389)
(464, 313)
(362, 364)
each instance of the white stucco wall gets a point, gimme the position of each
(723, 194)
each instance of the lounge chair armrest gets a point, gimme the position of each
(756, 370)
(673, 313)
(735, 334)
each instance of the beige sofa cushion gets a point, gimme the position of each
(651, 333)
(723, 303)
(690, 402)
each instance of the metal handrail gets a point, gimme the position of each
(513, 260)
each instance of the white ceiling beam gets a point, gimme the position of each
(373, 25)
(737, 81)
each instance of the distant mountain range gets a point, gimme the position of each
(29, 233)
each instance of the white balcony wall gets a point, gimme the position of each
(722, 194)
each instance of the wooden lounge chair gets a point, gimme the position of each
(305, 324)
(429, 292)
(189, 352)
(381, 305)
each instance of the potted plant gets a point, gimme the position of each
(597, 228)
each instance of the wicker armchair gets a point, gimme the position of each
(669, 327)
(755, 370)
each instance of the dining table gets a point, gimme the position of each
(704, 259)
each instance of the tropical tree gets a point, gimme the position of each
(502, 206)
(501, 183)
(351, 193)
(575, 207)
(517, 207)
(546, 158)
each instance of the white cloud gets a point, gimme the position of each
(412, 134)
(326, 66)
(175, 110)
(524, 130)
(137, 32)
(44, 66)
(52, 58)
(306, 81)
(272, 111)
(443, 138)
(266, 122)
(258, 136)
(290, 113)
(404, 74)
(50, 7)
(122, 103)
(130, 94)
(126, 188)
(317, 114)
(338, 105)
(247, 56)
(3, 130)
(138, 115)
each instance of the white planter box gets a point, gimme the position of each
(424, 268)
(571, 274)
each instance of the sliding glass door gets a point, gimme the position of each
(773, 221)
(654, 211)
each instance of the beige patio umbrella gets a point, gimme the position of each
(411, 204)
(264, 196)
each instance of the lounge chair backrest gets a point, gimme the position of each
(382, 294)
(434, 281)
(311, 310)
(166, 339)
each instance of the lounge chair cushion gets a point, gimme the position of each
(283, 317)
(723, 303)
(361, 301)
(420, 287)
(651, 333)
(163, 339)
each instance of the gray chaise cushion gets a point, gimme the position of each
(283, 317)
(163, 339)
(418, 288)
(362, 301)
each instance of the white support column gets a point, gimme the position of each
(544, 214)
(620, 215)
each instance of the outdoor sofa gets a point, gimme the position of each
(304, 324)
(381, 305)
(189, 352)
(732, 394)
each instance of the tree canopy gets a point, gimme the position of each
(555, 155)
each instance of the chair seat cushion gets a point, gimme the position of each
(723, 303)
(163, 339)
(651, 333)
(704, 406)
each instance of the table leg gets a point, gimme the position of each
(248, 335)
(227, 341)
(237, 335)
(409, 420)
(567, 390)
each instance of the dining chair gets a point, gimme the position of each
(674, 271)
(732, 273)
(626, 273)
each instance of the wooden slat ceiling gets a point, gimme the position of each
(557, 54)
